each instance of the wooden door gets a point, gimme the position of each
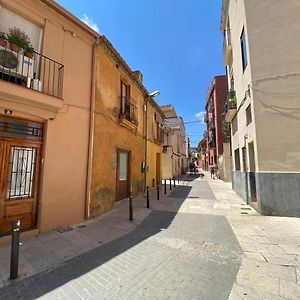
(123, 165)
(158, 168)
(19, 175)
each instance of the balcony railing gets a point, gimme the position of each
(128, 110)
(31, 70)
(230, 106)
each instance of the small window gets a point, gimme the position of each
(243, 50)
(237, 159)
(234, 125)
(248, 114)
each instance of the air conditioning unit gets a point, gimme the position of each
(15, 64)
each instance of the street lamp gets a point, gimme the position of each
(148, 97)
(154, 94)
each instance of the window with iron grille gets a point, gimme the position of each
(248, 114)
(21, 172)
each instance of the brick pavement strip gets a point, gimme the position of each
(161, 270)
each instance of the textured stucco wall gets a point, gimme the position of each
(109, 135)
(62, 191)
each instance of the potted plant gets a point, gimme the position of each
(2, 39)
(28, 51)
(17, 39)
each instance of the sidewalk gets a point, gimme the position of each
(200, 240)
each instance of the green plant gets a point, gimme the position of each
(18, 37)
(2, 35)
(226, 129)
(29, 48)
(233, 100)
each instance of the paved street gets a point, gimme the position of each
(199, 242)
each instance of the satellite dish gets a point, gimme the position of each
(8, 60)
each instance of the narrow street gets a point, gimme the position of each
(198, 242)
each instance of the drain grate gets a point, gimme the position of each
(245, 208)
(194, 197)
(244, 213)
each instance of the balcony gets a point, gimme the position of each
(30, 70)
(230, 106)
(210, 125)
(128, 113)
(205, 118)
(227, 49)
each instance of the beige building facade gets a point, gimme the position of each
(261, 54)
(45, 117)
(175, 154)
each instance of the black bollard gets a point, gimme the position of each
(130, 207)
(157, 188)
(170, 184)
(174, 182)
(165, 186)
(15, 243)
(148, 202)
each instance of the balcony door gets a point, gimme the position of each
(123, 180)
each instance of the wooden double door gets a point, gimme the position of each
(19, 173)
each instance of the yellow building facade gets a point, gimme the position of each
(155, 138)
(118, 131)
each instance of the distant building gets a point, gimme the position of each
(175, 156)
(218, 143)
(203, 153)
(261, 54)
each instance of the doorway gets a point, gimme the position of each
(158, 168)
(19, 177)
(252, 181)
(20, 160)
(123, 180)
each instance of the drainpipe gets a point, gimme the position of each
(146, 139)
(91, 135)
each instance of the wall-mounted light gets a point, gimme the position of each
(8, 112)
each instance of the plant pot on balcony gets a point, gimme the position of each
(28, 54)
(14, 47)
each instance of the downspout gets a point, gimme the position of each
(91, 135)
(146, 142)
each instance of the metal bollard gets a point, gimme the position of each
(148, 201)
(174, 182)
(170, 184)
(165, 186)
(14, 255)
(130, 207)
(157, 188)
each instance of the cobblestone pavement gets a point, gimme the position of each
(198, 242)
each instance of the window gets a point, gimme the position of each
(248, 114)
(237, 159)
(21, 172)
(125, 96)
(243, 50)
(234, 125)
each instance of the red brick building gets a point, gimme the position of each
(215, 102)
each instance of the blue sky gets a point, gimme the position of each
(176, 44)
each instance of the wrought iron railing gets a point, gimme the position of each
(128, 110)
(230, 102)
(31, 69)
